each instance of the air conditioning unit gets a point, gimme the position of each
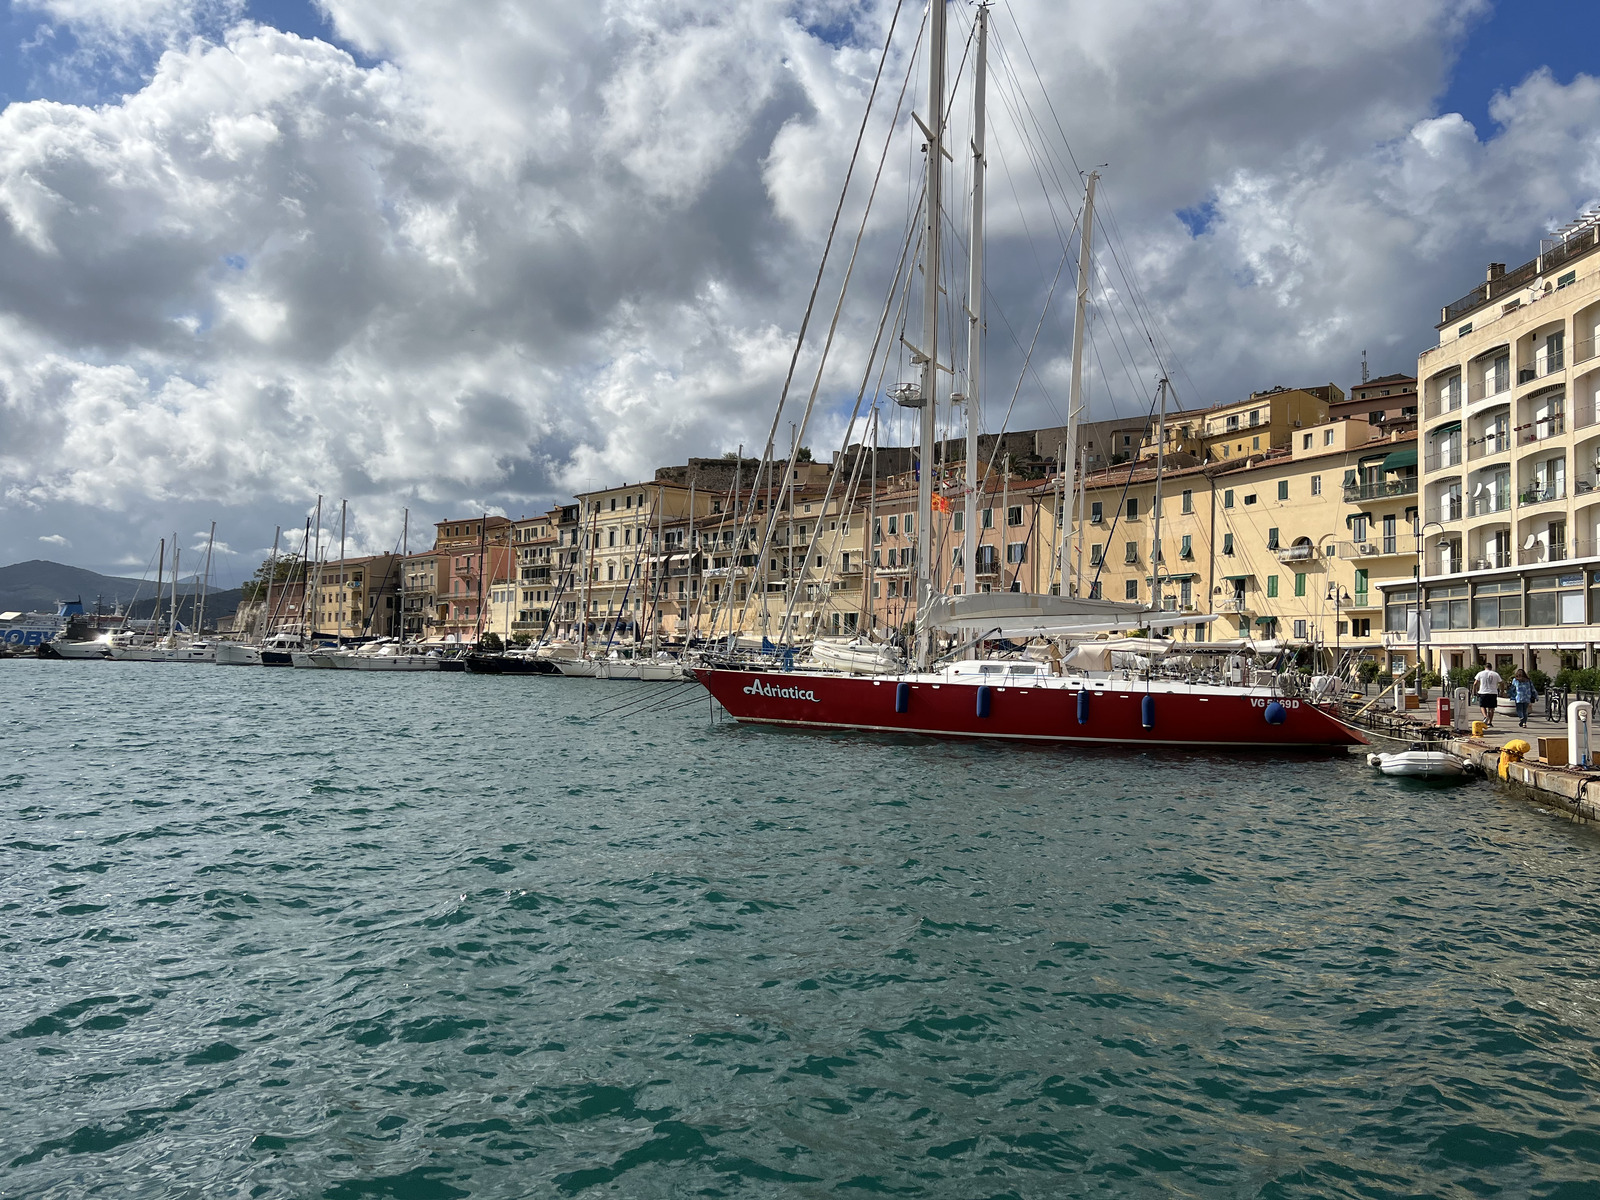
(1369, 549)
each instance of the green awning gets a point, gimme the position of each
(1237, 578)
(1401, 459)
(1266, 620)
(1368, 458)
(1450, 428)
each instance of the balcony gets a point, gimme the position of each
(1495, 502)
(1289, 554)
(1357, 493)
(1538, 495)
(1487, 388)
(1377, 548)
(1360, 600)
(1445, 402)
(1541, 365)
(1547, 427)
(1445, 457)
(1491, 560)
(1556, 553)
(1238, 606)
(1488, 445)
(1447, 510)
(1583, 351)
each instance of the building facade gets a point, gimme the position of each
(1511, 457)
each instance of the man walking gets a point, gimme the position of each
(1487, 685)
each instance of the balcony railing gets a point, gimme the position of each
(1360, 600)
(1444, 402)
(1482, 506)
(1488, 388)
(1446, 456)
(1492, 560)
(1583, 414)
(1287, 554)
(1234, 606)
(1356, 493)
(1549, 427)
(1447, 510)
(1542, 495)
(1376, 548)
(1583, 351)
(1444, 564)
(1556, 553)
(1529, 370)
(1488, 445)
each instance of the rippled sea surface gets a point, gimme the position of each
(315, 934)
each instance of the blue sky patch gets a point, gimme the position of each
(1198, 218)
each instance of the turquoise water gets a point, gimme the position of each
(314, 934)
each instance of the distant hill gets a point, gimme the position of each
(40, 585)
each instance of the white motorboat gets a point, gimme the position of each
(99, 647)
(238, 654)
(384, 655)
(1419, 762)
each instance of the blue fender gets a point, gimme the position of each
(1276, 714)
(1083, 707)
(985, 693)
(1147, 712)
(902, 697)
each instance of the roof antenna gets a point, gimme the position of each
(1365, 374)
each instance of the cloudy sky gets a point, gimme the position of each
(479, 255)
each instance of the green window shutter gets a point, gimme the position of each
(1361, 580)
(1283, 489)
(1299, 585)
(1272, 586)
(1227, 498)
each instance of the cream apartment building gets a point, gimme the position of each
(1511, 455)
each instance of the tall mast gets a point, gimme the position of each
(405, 554)
(868, 581)
(1155, 519)
(1079, 331)
(483, 533)
(161, 566)
(316, 580)
(344, 584)
(265, 625)
(172, 587)
(932, 231)
(969, 540)
(689, 604)
(205, 581)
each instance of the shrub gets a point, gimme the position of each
(522, 639)
(1541, 681)
(490, 643)
(1368, 671)
(1460, 677)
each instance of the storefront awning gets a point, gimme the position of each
(1452, 427)
(1401, 459)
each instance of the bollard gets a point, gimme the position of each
(1399, 696)
(1462, 708)
(1578, 715)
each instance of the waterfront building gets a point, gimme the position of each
(1287, 545)
(357, 597)
(419, 612)
(473, 554)
(1388, 402)
(1511, 456)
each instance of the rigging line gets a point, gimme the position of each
(1022, 40)
(1128, 300)
(1027, 361)
(1014, 105)
(827, 248)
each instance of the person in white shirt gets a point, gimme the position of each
(1487, 684)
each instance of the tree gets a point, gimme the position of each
(490, 643)
(255, 588)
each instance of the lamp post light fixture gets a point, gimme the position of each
(1340, 598)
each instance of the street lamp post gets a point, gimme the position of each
(1340, 598)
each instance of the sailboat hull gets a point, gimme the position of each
(1116, 712)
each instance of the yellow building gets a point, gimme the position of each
(1266, 421)
(1288, 545)
(358, 597)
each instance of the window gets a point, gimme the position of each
(1358, 527)
(1255, 443)
(1305, 442)
(1316, 485)
(1563, 280)
(1361, 585)
(1133, 508)
(988, 518)
(1186, 550)
(894, 526)
(1096, 554)
(1130, 589)
(1300, 629)
(1227, 543)
(1188, 500)
(1095, 514)
(1250, 498)
(1255, 416)
(1327, 437)
(1272, 587)
(1017, 552)
(1389, 540)
(1094, 590)
(1299, 585)
(1497, 605)
(1014, 515)
(960, 520)
(1130, 553)
(909, 524)
(613, 504)
(1272, 538)
(1227, 498)
(1361, 627)
(1464, 330)
(1283, 489)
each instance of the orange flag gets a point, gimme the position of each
(940, 504)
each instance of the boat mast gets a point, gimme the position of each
(969, 540)
(265, 625)
(161, 567)
(405, 553)
(931, 237)
(316, 580)
(344, 586)
(205, 581)
(172, 611)
(868, 581)
(691, 604)
(1155, 519)
(1079, 319)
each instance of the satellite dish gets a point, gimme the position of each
(1532, 541)
(1477, 491)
